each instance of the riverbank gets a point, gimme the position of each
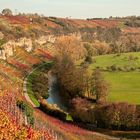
(52, 104)
(28, 85)
(30, 100)
(104, 131)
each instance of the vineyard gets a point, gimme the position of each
(30, 40)
(14, 122)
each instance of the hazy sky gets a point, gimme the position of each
(75, 8)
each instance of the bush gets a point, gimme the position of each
(53, 110)
(45, 96)
(82, 113)
(126, 68)
(57, 21)
(113, 67)
(131, 57)
(88, 59)
(84, 65)
(132, 23)
(138, 68)
(118, 116)
(136, 58)
(108, 68)
(120, 69)
(2, 42)
(27, 110)
(132, 69)
(118, 55)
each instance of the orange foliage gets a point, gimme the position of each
(17, 19)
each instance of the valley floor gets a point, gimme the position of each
(124, 87)
(124, 79)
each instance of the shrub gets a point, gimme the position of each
(108, 68)
(84, 65)
(2, 42)
(27, 110)
(132, 69)
(136, 58)
(120, 69)
(57, 21)
(83, 112)
(98, 67)
(131, 57)
(132, 23)
(126, 68)
(118, 55)
(53, 110)
(138, 68)
(113, 67)
(88, 59)
(120, 116)
(45, 96)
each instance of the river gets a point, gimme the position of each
(54, 96)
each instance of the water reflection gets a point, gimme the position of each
(54, 96)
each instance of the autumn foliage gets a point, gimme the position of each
(13, 123)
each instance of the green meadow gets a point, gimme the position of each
(124, 84)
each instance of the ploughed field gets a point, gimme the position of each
(122, 72)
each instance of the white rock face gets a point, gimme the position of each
(51, 38)
(26, 43)
(7, 50)
(2, 54)
(44, 39)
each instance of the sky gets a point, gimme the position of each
(74, 8)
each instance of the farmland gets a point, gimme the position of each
(124, 80)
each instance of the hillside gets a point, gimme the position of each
(47, 25)
(27, 40)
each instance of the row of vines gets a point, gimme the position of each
(14, 124)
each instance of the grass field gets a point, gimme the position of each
(123, 60)
(124, 86)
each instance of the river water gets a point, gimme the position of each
(54, 96)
